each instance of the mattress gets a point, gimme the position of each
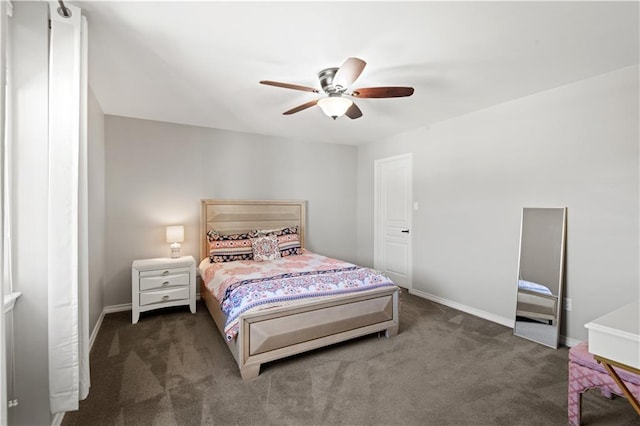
(249, 286)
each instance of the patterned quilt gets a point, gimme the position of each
(245, 286)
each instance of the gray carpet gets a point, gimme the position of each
(444, 367)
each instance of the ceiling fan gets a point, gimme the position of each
(335, 82)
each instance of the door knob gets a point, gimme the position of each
(406, 231)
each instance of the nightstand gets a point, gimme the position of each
(162, 282)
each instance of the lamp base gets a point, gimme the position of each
(175, 250)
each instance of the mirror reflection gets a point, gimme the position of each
(540, 274)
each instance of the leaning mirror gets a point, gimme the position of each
(540, 274)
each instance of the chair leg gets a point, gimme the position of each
(574, 405)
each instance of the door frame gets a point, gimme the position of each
(378, 231)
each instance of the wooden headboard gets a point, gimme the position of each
(236, 216)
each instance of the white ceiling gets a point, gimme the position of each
(199, 63)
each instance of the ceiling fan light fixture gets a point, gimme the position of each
(334, 106)
(334, 82)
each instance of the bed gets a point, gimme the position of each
(268, 331)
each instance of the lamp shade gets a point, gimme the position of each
(334, 106)
(175, 234)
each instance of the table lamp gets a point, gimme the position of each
(175, 235)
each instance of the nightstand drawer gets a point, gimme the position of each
(163, 272)
(168, 295)
(160, 281)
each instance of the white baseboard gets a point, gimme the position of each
(57, 419)
(507, 322)
(568, 341)
(116, 308)
(96, 328)
(109, 310)
(106, 310)
(124, 307)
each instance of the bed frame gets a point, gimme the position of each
(533, 305)
(281, 332)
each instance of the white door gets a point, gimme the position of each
(392, 218)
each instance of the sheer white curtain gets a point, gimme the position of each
(3, 266)
(67, 213)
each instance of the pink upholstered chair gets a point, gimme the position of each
(585, 373)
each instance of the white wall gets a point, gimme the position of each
(29, 211)
(96, 185)
(157, 173)
(573, 146)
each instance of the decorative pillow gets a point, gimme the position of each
(275, 231)
(264, 232)
(265, 248)
(288, 239)
(289, 245)
(227, 248)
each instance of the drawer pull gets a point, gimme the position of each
(165, 273)
(165, 283)
(165, 297)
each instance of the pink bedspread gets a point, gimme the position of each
(244, 286)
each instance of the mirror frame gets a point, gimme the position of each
(535, 329)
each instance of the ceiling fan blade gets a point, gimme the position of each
(290, 86)
(353, 112)
(300, 107)
(383, 92)
(348, 73)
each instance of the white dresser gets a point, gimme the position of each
(614, 341)
(616, 335)
(162, 282)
